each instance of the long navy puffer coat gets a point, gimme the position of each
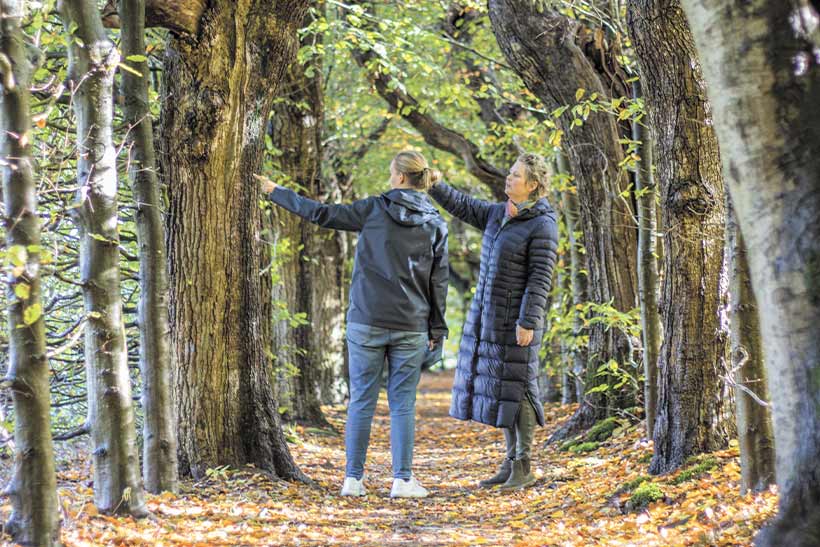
(494, 375)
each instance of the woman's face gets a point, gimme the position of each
(396, 178)
(518, 188)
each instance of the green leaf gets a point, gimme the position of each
(17, 255)
(136, 58)
(580, 93)
(32, 314)
(22, 291)
(127, 68)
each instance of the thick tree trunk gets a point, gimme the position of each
(159, 455)
(92, 61)
(219, 87)
(646, 191)
(316, 347)
(694, 414)
(764, 87)
(34, 518)
(754, 421)
(539, 44)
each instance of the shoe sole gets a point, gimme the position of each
(519, 486)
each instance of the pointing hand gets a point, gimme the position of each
(266, 185)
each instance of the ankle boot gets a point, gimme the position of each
(500, 477)
(521, 475)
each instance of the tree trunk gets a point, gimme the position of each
(92, 61)
(578, 280)
(693, 413)
(646, 191)
(764, 87)
(219, 87)
(566, 347)
(34, 518)
(159, 455)
(316, 347)
(538, 42)
(754, 421)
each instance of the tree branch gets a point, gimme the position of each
(181, 16)
(68, 435)
(457, 26)
(434, 133)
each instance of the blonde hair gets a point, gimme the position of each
(537, 170)
(412, 165)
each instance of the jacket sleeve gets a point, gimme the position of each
(338, 217)
(439, 281)
(475, 212)
(541, 255)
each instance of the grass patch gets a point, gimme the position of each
(596, 434)
(696, 471)
(645, 494)
(602, 430)
(634, 483)
(584, 447)
(567, 445)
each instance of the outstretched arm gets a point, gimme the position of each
(338, 217)
(469, 209)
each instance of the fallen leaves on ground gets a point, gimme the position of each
(575, 502)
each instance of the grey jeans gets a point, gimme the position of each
(368, 347)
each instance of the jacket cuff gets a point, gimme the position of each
(525, 323)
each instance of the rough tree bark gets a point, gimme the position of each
(92, 61)
(764, 87)
(218, 89)
(34, 518)
(754, 421)
(694, 412)
(315, 349)
(159, 455)
(177, 15)
(538, 43)
(646, 190)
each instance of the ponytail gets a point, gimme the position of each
(412, 165)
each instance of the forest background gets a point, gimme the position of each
(163, 279)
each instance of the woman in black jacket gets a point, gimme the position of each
(497, 367)
(397, 301)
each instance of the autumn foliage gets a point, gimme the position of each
(581, 498)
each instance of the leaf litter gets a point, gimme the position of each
(580, 499)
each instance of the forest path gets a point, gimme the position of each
(572, 504)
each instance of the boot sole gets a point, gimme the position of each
(521, 486)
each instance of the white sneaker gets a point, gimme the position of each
(408, 488)
(353, 487)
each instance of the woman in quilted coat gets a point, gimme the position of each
(497, 367)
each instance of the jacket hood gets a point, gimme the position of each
(409, 207)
